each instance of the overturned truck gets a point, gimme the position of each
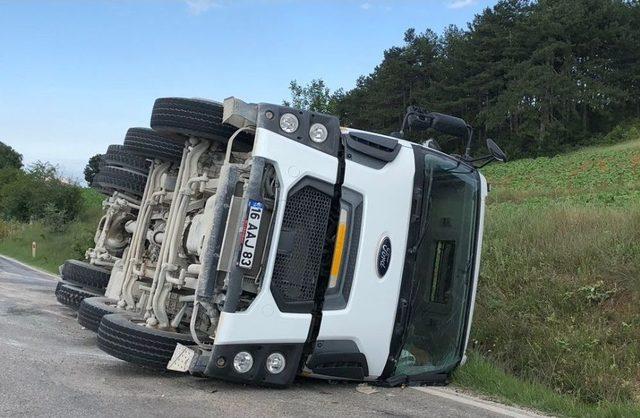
(281, 244)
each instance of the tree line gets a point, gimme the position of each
(36, 192)
(539, 76)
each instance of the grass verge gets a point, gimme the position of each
(484, 377)
(53, 248)
(556, 326)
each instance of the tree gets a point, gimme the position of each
(9, 157)
(38, 193)
(540, 76)
(315, 96)
(403, 78)
(92, 168)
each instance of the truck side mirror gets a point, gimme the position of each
(442, 123)
(449, 125)
(419, 119)
(418, 122)
(495, 151)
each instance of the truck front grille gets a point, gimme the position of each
(300, 247)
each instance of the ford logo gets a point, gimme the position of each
(384, 257)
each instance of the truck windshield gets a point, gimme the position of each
(443, 268)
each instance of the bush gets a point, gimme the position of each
(38, 193)
(81, 241)
(624, 132)
(8, 229)
(55, 220)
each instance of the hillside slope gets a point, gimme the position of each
(560, 282)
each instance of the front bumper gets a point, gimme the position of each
(220, 364)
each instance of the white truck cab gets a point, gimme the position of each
(317, 250)
(369, 262)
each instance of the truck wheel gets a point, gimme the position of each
(149, 144)
(97, 186)
(85, 274)
(121, 180)
(100, 189)
(117, 156)
(70, 295)
(93, 309)
(181, 117)
(128, 339)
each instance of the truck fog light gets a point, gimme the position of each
(289, 123)
(318, 132)
(243, 362)
(275, 363)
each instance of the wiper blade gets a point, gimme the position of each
(425, 216)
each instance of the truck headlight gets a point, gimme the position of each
(275, 363)
(289, 123)
(243, 362)
(318, 132)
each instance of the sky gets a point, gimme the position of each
(76, 74)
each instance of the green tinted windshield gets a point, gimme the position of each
(443, 268)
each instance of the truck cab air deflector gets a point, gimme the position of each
(375, 146)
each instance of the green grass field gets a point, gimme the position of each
(560, 284)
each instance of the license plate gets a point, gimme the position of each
(182, 358)
(250, 234)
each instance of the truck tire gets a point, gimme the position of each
(181, 117)
(121, 180)
(126, 338)
(117, 156)
(149, 144)
(70, 295)
(100, 189)
(85, 274)
(93, 309)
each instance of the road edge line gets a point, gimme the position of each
(477, 402)
(44, 272)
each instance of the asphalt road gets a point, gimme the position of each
(50, 366)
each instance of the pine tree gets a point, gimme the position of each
(540, 76)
